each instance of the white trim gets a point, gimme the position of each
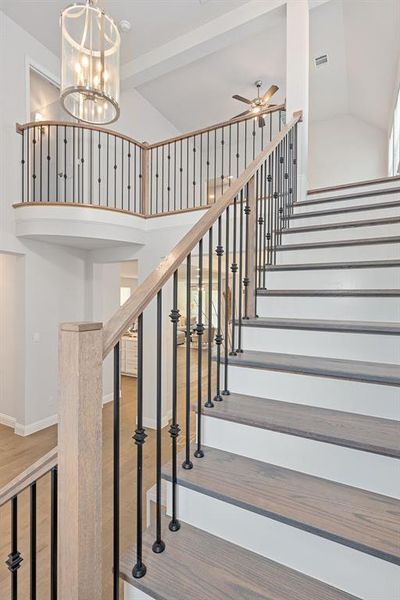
(108, 398)
(25, 430)
(31, 63)
(7, 421)
(152, 423)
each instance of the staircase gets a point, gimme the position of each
(296, 497)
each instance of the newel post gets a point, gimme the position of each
(252, 250)
(79, 461)
(146, 179)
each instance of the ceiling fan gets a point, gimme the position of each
(257, 104)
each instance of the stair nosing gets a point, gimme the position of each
(339, 243)
(351, 196)
(346, 209)
(361, 327)
(274, 515)
(356, 293)
(365, 264)
(326, 368)
(304, 432)
(342, 225)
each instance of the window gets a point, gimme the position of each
(394, 141)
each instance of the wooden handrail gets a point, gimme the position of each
(135, 305)
(183, 136)
(40, 468)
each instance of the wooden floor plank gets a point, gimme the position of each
(199, 566)
(356, 518)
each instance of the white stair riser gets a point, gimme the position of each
(132, 593)
(359, 189)
(369, 578)
(339, 253)
(302, 208)
(332, 344)
(360, 215)
(356, 278)
(328, 235)
(338, 394)
(320, 307)
(345, 465)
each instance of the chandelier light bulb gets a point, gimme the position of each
(90, 79)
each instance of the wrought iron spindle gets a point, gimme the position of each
(234, 269)
(34, 141)
(116, 471)
(14, 558)
(246, 278)
(187, 463)
(219, 338)
(139, 570)
(209, 403)
(240, 274)
(54, 533)
(199, 331)
(174, 429)
(225, 391)
(159, 545)
(65, 163)
(33, 542)
(23, 168)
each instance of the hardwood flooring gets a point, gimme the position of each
(18, 453)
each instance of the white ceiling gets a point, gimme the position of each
(200, 93)
(362, 40)
(154, 22)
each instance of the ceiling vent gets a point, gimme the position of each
(321, 60)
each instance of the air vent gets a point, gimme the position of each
(321, 60)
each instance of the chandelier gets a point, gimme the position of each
(90, 63)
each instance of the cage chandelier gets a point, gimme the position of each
(90, 79)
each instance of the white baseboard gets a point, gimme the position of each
(152, 423)
(7, 421)
(25, 430)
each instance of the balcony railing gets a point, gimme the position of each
(71, 163)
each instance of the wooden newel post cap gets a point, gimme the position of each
(81, 326)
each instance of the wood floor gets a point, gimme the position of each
(17, 453)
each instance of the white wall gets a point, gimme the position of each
(345, 149)
(60, 283)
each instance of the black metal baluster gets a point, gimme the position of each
(14, 558)
(209, 403)
(254, 138)
(162, 178)
(230, 156)
(28, 181)
(169, 178)
(79, 166)
(187, 463)
(41, 129)
(152, 198)
(116, 471)
(108, 171)
(240, 275)
(237, 148)
(219, 338)
(91, 167)
(159, 545)
(245, 144)
(276, 199)
(234, 269)
(175, 175)
(82, 163)
(187, 173)
(194, 171)
(208, 169)
(265, 210)
(222, 160)
(215, 165)
(65, 163)
(201, 170)
(33, 542)
(246, 279)
(115, 172)
(34, 164)
(181, 174)
(23, 167)
(139, 570)
(99, 167)
(270, 126)
(259, 221)
(73, 161)
(156, 181)
(199, 331)
(122, 174)
(174, 430)
(54, 534)
(129, 187)
(225, 391)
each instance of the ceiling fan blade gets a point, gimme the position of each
(242, 99)
(246, 112)
(269, 93)
(261, 121)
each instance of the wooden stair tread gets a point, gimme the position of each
(336, 368)
(344, 197)
(340, 243)
(199, 566)
(372, 327)
(362, 264)
(361, 432)
(342, 225)
(377, 293)
(346, 209)
(356, 518)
